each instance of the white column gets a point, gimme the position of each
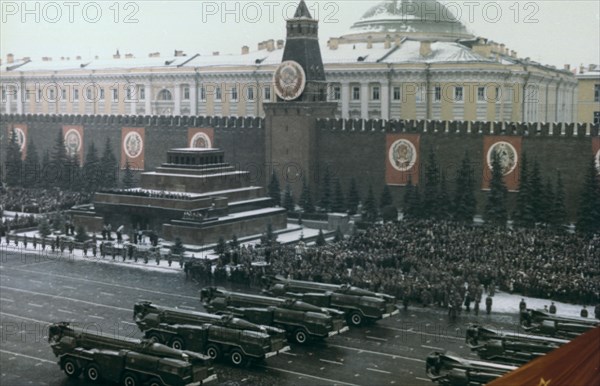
(133, 101)
(20, 99)
(385, 101)
(364, 100)
(148, 102)
(346, 100)
(8, 91)
(193, 98)
(177, 105)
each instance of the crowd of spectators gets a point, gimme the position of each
(436, 262)
(40, 200)
(148, 193)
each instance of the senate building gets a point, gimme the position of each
(400, 60)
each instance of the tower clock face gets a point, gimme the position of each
(289, 80)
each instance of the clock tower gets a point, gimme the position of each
(301, 88)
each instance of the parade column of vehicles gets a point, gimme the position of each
(105, 358)
(216, 336)
(502, 350)
(358, 304)
(300, 320)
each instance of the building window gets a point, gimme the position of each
(3, 93)
(186, 93)
(437, 93)
(337, 93)
(129, 96)
(218, 95)
(202, 93)
(267, 93)
(51, 94)
(250, 93)
(142, 93)
(101, 94)
(596, 117)
(375, 93)
(75, 94)
(498, 94)
(458, 94)
(597, 93)
(63, 94)
(234, 94)
(481, 94)
(163, 95)
(27, 95)
(115, 95)
(39, 94)
(88, 94)
(356, 93)
(396, 93)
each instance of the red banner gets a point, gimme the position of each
(596, 150)
(21, 131)
(132, 147)
(402, 159)
(509, 150)
(73, 136)
(203, 138)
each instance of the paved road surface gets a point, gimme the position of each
(35, 291)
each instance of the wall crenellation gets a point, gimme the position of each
(139, 120)
(546, 129)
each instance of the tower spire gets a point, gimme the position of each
(302, 11)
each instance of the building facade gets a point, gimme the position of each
(399, 61)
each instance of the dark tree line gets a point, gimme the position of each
(59, 169)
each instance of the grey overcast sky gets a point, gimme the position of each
(553, 32)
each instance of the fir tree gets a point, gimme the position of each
(306, 201)
(31, 167)
(45, 179)
(431, 187)
(128, 176)
(412, 202)
(353, 198)
(339, 204)
(559, 211)
(536, 197)
(60, 162)
(73, 169)
(13, 161)
(44, 227)
(275, 190)
(339, 236)
(108, 163)
(178, 249)
(320, 239)
(370, 207)
(325, 201)
(81, 234)
(495, 208)
(465, 203)
(443, 200)
(221, 246)
(547, 199)
(588, 218)
(91, 169)
(386, 197)
(524, 215)
(234, 243)
(288, 199)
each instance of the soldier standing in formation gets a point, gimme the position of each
(488, 304)
(552, 308)
(522, 305)
(584, 312)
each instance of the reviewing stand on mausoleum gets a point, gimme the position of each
(195, 196)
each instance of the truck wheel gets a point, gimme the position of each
(92, 373)
(155, 337)
(300, 336)
(71, 368)
(155, 382)
(177, 343)
(237, 357)
(129, 379)
(355, 318)
(213, 351)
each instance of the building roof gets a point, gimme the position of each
(427, 17)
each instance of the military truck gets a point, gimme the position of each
(216, 336)
(132, 362)
(358, 304)
(507, 347)
(301, 321)
(451, 370)
(544, 323)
